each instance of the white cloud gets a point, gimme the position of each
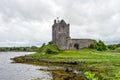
(28, 22)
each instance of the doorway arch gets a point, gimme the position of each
(76, 46)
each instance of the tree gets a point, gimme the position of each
(93, 45)
(98, 45)
(101, 46)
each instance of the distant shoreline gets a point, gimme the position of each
(19, 49)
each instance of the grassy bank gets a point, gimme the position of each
(104, 64)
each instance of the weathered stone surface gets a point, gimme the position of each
(61, 37)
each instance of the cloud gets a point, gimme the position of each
(97, 19)
(28, 22)
(24, 22)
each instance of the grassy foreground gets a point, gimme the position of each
(100, 65)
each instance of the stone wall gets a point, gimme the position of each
(61, 37)
(60, 34)
(79, 43)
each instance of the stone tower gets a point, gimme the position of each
(61, 37)
(60, 34)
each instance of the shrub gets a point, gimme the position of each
(98, 45)
(113, 46)
(90, 76)
(49, 48)
(50, 51)
(117, 49)
(117, 76)
(93, 45)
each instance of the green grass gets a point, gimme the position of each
(47, 47)
(86, 55)
(101, 60)
(105, 64)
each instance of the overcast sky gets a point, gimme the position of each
(28, 22)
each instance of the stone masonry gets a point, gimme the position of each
(61, 37)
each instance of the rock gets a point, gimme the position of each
(69, 69)
(74, 62)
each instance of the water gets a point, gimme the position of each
(16, 71)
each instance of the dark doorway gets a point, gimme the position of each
(76, 46)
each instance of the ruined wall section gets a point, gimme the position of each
(75, 44)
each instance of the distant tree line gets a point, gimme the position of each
(113, 46)
(100, 46)
(17, 49)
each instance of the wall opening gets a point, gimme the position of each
(76, 46)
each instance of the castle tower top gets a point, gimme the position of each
(57, 20)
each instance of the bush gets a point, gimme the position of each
(93, 45)
(50, 51)
(117, 49)
(90, 76)
(117, 76)
(98, 45)
(113, 46)
(48, 48)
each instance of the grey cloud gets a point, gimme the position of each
(28, 22)
(26, 9)
(98, 19)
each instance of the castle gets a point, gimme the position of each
(61, 37)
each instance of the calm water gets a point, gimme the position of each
(10, 71)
